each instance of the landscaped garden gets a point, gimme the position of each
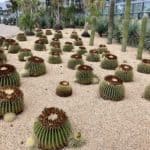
(70, 81)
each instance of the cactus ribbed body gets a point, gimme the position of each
(93, 56)
(82, 50)
(58, 35)
(3, 57)
(78, 42)
(21, 37)
(14, 48)
(48, 32)
(55, 58)
(68, 47)
(39, 45)
(24, 53)
(144, 66)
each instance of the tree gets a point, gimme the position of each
(111, 22)
(142, 37)
(126, 25)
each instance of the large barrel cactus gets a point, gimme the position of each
(124, 72)
(64, 89)
(93, 56)
(11, 100)
(147, 92)
(78, 42)
(7, 43)
(24, 53)
(55, 42)
(2, 39)
(82, 50)
(74, 61)
(48, 32)
(85, 75)
(39, 45)
(35, 66)
(144, 66)
(3, 57)
(55, 58)
(68, 47)
(58, 34)
(9, 76)
(21, 37)
(14, 48)
(74, 35)
(52, 129)
(109, 61)
(112, 88)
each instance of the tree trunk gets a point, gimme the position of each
(111, 22)
(142, 37)
(126, 25)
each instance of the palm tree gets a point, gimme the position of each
(126, 25)
(111, 22)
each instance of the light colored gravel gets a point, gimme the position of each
(106, 125)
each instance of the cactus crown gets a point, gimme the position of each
(82, 47)
(125, 67)
(39, 41)
(55, 39)
(21, 34)
(25, 49)
(78, 39)
(85, 67)
(93, 51)
(76, 56)
(110, 56)
(113, 80)
(68, 43)
(36, 59)
(58, 31)
(52, 117)
(6, 69)
(10, 41)
(55, 53)
(146, 61)
(64, 83)
(102, 45)
(38, 30)
(8, 93)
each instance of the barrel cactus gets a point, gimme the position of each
(14, 48)
(55, 49)
(85, 75)
(55, 42)
(102, 48)
(21, 37)
(112, 88)
(24, 53)
(68, 47)
(58, 34)
(48, 32)
(78, 42)
(82, 50)
(93, 56)
(39, 45)
(9, 76)
(55, 58)
(109, 61)
(38, 32)
(74, 61)
(147, 92)
(64, 89)
(2, 39)
(11, 100)
(7, 43)
(35, 66)
(44, 39)
(3, 57)
(124, 72)
(144, 66)
(74, 35)
(52, 129)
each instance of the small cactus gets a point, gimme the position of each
(52, 129)
(21, 37)
(78, 42)
(109, 61)
(144, 66)
(35, 66)
(38, 32)
(147, 92)
(55, 42)
(11, 100)
(48, 32)
(82, 50)
(112, 88)
(44, 39)
(55, 58)
(9, 76)
(14, 48)
(39, 45)
(58, 34)
(102, 49)
(2, 39)
(93, 56)
(7, 43)
(24, 54)
(56, 49)
(3, 57)
(64, 89)
(124, 72)
(74, 35)
(68, 47)
(74, 61)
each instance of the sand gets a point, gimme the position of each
(106, 125)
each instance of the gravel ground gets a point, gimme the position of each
(106, 125)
